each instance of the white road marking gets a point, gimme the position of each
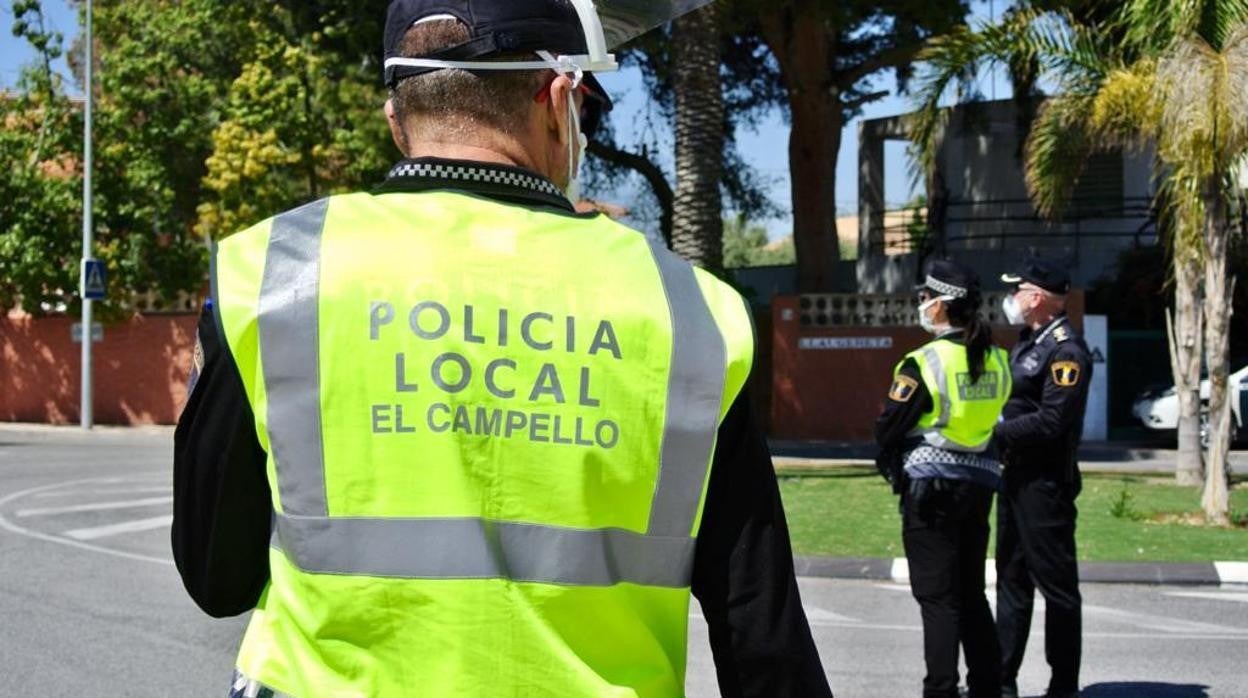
(822, 616)
(96, 506)
(1237, 597)
(48, 538)
(1162, 623)
(142, 489)
(136, 526)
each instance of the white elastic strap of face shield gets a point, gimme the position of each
(932, 301)
(563, 65)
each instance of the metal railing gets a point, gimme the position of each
(999, 224)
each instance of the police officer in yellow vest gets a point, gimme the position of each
(450, 438)
(935, 436)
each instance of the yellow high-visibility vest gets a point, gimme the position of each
(489, 431)
(964, 411)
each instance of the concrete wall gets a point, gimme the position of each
(829, 383)
(140, 369)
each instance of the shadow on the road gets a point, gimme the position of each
(1144, 689)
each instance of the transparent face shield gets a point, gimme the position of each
(607, 24)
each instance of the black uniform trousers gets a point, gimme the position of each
(945, 531)
(1036, 548)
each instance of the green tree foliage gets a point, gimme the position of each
(209, 116)
(817, 62)
(1173, 76)
(747, 245)
(40, 187)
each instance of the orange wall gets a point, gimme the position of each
(836, 394)
(140, 370)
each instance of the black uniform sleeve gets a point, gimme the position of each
(222, 509)
(743, 573)
(908, 401)
(1068, 375)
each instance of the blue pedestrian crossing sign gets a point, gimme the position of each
(94, 282)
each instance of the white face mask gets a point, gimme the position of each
(577, 143)
(924, 321)
(1013, 313)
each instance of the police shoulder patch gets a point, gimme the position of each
(1066, 374)
(904, 388)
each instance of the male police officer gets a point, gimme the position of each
(1039, 435)
(452, 439)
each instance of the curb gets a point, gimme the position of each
(1156, 573)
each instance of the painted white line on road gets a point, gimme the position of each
(1162, 623)
(96, 506)
(1232, 572)
(141, 489)
(1237, 597)
(48, 538)
(117, 529)
(818, 615)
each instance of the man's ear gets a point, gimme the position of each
(396, 128)
(557, 108)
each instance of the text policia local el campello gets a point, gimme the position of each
(451, 373)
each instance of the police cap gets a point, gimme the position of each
(1044, 273)
(948, 278)
(495, 27)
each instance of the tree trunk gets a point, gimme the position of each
(1218, 294)
(1185, 363)
(698, 214)
(802, 41)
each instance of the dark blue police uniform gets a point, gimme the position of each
(1039, 437)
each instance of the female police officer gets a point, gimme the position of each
(935, 434)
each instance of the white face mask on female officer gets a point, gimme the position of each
(926, 322)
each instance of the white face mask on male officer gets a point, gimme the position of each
(1013, 312)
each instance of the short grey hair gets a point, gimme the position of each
(452, 102)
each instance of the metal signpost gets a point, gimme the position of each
(88, 416)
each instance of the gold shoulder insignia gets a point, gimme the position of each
(1066, 374)
(904, 388)
(1061, 334)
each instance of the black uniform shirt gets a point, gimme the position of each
(743, 573)
(1042, 423)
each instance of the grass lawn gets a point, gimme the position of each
(850, 512)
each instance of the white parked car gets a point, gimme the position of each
(1159, 409)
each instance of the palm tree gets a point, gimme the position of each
(1174, 77)
(698, 221)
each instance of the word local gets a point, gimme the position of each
(453, 373)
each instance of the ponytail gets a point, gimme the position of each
(964, 314)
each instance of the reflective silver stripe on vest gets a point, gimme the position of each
(470, 548)
(937, 369)
(695, 390)
(289, 326)
(475, 548)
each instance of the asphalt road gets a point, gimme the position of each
(91, 604)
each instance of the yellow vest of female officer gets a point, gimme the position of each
(489, 431)
(964, 411)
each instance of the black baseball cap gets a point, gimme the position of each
(1043, 273)
(948, 278)
(496, 27)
